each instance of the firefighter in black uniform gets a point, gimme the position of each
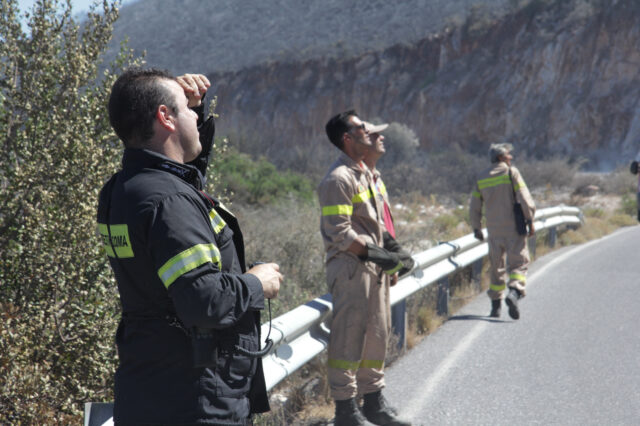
(189, 338)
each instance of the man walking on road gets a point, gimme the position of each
(188, 339)
(358, 267)
(500, 186)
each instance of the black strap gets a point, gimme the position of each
(267, 341)
(521, 221)
(513, 191)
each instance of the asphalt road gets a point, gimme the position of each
(573, 358)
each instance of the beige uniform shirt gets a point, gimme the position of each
(350, 208)
(494, 189)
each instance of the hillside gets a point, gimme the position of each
(558, 78)
(227, 35)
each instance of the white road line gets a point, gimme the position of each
(415, 404)
(429, 384)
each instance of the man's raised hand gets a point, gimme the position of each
(194, 86)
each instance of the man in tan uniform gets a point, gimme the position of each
(371, 157)
(357, 268)
(497, 186)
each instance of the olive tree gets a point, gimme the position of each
(58, 302)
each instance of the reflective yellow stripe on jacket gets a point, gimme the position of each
(494, 181)
(362, 196)
(340, 209)
(346, 209)
(187, 261)
(217, 223)
(518, 186)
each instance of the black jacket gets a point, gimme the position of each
(178, 259)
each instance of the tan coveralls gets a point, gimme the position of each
(361, 316)
(494, 188)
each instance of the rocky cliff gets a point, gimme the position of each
(554, 77)
(227, 35)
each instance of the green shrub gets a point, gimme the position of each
(403, 142)
(445, 223)
(594, 212)
(628, 205)
(258, 181)
(553, 172)
(620, 181)
(58, 302)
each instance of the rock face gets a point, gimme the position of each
(555, 78)
(227, 35)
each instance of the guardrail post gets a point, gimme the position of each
(531, 243)
(399, 323)
(443, 297)
(553, 234)
(476, 274)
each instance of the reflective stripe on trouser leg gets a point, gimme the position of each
(498, 283)
(370, 375)
(350, 283)
(518, 262)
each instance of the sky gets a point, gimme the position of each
(79, 6)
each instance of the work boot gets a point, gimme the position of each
(377, 411)
(496, 308)
(348, 414)
(512, 303)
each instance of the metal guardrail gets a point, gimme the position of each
(301, 334)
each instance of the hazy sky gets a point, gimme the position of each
(77, 5)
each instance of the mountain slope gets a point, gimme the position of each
(226, 35)
(557, 78)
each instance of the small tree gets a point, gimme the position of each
(58, 303)
(401, 143)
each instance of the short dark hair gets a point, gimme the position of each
(134, 100)
(338, 125)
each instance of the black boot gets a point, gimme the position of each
(512, 302)
(378, 412)
(496, 308)
(348, 414)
